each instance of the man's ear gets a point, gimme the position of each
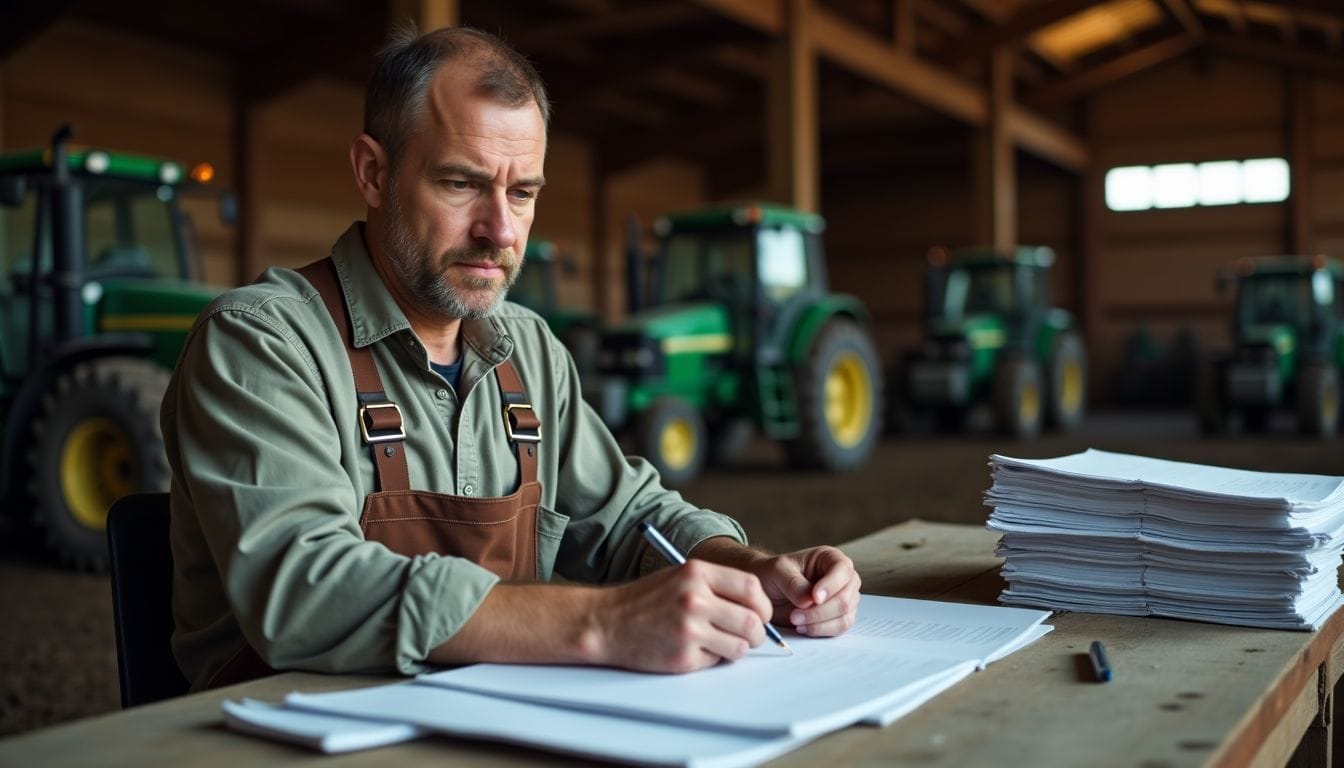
(369, 162)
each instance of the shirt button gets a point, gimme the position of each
(442, 394)
(467, 489)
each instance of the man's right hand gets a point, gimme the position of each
(676, 619)
(681, 619)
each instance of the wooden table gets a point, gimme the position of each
(1185, 694)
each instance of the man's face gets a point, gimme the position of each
(461, 200)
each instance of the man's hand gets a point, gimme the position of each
(681, 619)
(815, 590)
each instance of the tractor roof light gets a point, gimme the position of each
(938, 256)
(1245, 266)
(662, 226)
(1318, 261)
(751, 214)
(202, 173)
(97, 162)
(170, 173)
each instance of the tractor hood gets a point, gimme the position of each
(162, 310)
(678, 328)
(1281, 337)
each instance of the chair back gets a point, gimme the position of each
(141, 563)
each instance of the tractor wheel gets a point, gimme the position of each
(904, 417)
(1318, 400)
(1017, 396)
(95, 439)
(1067, 391)
(671, 435)
(1210, 403)
(839, 400)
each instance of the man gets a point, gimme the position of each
(309, 532)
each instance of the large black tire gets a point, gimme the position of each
(904, 417)
(95, 439)
(840, 400)
(1066, 394)
(729, 440)
(1210, 400)
(670, 433)
(1018, 410)
(1318, 400)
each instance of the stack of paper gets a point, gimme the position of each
(899, 654)
(1113, 533)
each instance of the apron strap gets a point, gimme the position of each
(520, 421)
(380, 422)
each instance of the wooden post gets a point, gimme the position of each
(792, 167)
(427, 14)
(995, 180)
(1301, 235)
(247, 186)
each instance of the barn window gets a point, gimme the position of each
(1185, 185)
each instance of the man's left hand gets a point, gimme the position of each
(815, 590)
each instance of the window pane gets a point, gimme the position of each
(1220, 183)
(1129, 188)
(1175, 185)
(1265, 180)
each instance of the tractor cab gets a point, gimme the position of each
(537, 289)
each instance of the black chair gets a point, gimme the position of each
(142, 593)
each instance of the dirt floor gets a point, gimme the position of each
(57, 652)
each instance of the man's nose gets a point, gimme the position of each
(494, 223)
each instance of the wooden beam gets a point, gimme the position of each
(1090, 80)
(690, 87)
(1186, 17)
(791, 113)
(904, 20)
(1300, 118)
(985, 39)
(868, 55)
(425, 14)
(995, 182)
(1277, 54)
(1045, 139)
(247, 185)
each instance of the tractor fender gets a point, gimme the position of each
(38, 382)
(817, 314)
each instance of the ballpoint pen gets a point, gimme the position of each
(660, 543)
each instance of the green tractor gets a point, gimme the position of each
(93, 312)
(579, 330)
(741, 334)
(1289, 332)
(993, 337)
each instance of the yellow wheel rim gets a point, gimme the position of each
(1330, 407)
(676, 444)
(849, 400)
(96, 469)
(1071, 390)
(1029, 404)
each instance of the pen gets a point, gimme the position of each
(660, 543)
(1100, 664)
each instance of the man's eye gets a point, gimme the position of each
(458, 185)
(523, 195)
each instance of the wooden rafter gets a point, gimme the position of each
(1012, 32)
(1097, 77)
(1277, 54)
(1187, 17)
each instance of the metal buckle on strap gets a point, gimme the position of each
(386, 436)
(516, 436)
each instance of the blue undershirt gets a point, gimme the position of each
(450, 373)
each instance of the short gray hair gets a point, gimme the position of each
(406, 66)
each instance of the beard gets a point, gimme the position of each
(424, 275)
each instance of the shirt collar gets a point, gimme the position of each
(375, 315)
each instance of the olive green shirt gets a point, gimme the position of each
(270, 474)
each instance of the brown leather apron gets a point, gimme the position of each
(499, 534)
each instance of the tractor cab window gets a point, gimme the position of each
(708, 265)
(781, 263)
(1275, 300)
(129, 230)
(18, 235)
(978, 291)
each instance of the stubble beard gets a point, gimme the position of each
(424, 275)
